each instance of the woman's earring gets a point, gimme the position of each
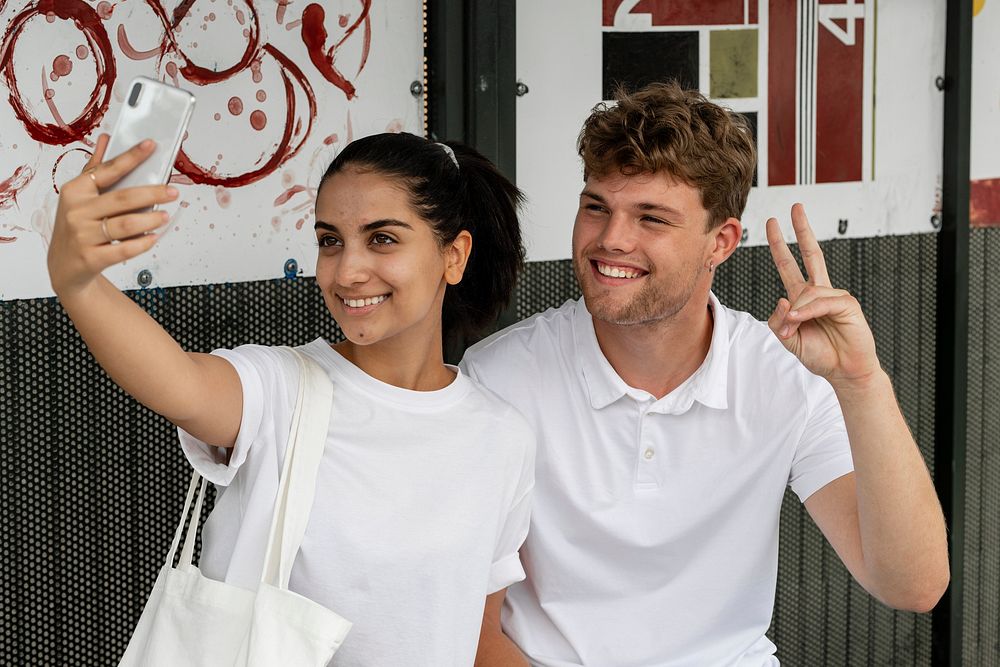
(711, 266)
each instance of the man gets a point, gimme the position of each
(669, 426)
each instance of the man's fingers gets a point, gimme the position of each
(812, 255)
(783, 259)
(822, 307)
(779, 323)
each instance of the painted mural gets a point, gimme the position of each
(840, 94)
(280, 86)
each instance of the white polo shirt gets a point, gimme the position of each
(654, 532)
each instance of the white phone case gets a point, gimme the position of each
(152, 110)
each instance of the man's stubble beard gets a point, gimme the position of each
(648, 307)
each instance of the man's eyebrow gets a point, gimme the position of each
(369, 227)
(641, 206)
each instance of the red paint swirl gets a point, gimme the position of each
(12, 187)
(88, 22)
(314, 36)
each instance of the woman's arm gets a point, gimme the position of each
(198, 392)
(495, 648)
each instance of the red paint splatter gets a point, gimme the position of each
(276, 222)
(330, 139)
(62, 65)
(343, 20)
(261, 96)
(55, 167)
(217, 116)
(195, 73)
(285, 150)
(104, 9)
(283, 198)
(172, 71)
(241, 18)
(258, 120)
(82, 52)
(222, 196)
(299, 223)
(279, 14)
(235, 106)
(7, 239)
(133, 53)
(314, 36)
(184, 204)
(292, 25)
(12, 187)
(287, 178)
(255, 71)
(48, 94)
(87, 21)
(211, 16)
(984, 202)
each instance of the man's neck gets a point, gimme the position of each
(658, 357)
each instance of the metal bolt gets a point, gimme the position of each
(145, 278)
(416, 89)
(291, 268)
(936, 221)
(746, 235)
(484, 83)
(842, 226)
(520, 89)
(939, 83)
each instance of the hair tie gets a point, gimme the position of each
(450, 152)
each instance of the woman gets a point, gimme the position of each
(422, 496)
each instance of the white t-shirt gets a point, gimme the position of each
(422, 501)
(654, 530)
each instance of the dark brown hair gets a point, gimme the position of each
(664, 128)
(464, 192)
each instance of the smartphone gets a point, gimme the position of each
(152, 110)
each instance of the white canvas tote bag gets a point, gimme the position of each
(195, 621)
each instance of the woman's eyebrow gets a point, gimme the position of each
(371, 226)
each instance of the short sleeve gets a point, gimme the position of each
(506, 568)
(823, 453)
(264, 379)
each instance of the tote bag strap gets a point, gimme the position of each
(193, 527)
(297, 486)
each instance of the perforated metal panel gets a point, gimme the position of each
(91, 483)
(981, 636)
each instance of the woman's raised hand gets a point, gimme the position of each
(94, 231)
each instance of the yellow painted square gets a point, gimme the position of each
(733, 63)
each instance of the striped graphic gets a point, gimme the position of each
(817, 104)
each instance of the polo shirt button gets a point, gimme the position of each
(649, 453)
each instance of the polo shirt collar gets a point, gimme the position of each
(708, 385)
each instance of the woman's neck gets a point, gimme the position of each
(418, 367)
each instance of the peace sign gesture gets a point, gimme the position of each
(822, 326)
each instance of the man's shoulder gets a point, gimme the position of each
(524, 340)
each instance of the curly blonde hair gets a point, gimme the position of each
(664, 128)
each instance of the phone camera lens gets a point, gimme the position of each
(133, 97)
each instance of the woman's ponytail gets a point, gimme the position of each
(489, 205)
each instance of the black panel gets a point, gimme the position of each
(636, 59)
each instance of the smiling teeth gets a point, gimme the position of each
(361, 303)
(615, 272)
